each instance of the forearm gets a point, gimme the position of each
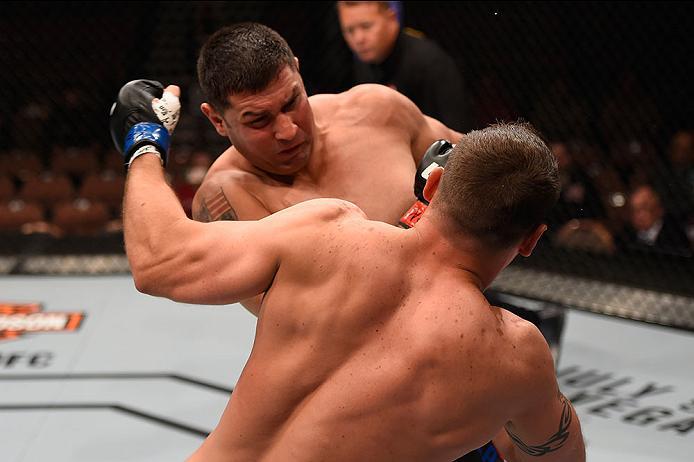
(442, 131)
(151, 212)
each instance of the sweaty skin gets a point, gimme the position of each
(361, 145)
(373, 343)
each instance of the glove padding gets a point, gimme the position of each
(143, 116)
(436, 155)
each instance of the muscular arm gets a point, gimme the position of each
(422, 129)
(177, 258)
(546, 427)
(213, 202)
(429, 130)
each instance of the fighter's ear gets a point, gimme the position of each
(432, 184)
(215, 119)
(528, 244)
(296, 60)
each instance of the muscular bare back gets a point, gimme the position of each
(369, 349)
(373, 342)
(366, 143)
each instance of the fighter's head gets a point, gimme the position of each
(498, 185)
(256, 97)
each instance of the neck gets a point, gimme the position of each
(472, 259)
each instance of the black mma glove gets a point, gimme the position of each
(435, 156)
(142, 118)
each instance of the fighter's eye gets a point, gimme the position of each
(258, 123)
(290, 105)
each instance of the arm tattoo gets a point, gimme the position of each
(202, 215)
(555, 441)
(216, 208)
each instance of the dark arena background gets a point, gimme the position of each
(131, 377)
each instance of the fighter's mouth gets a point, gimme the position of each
(291, 151)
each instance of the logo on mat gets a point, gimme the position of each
(17, 319)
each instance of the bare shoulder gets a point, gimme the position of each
(232, 182)
(225, 194)
(529, 354)
(374, 106)
(367, 100)
(229, 177)
(325, 210)
(368, 95)
(530, 349)
(374, 95)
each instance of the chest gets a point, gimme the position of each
(373, 171)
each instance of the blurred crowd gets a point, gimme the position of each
(627, 170)
(59, 179)
(630, 197)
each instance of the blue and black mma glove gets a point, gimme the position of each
(435, 156)
(142, 119)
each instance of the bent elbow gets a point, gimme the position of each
(143, 270)
(142, 280)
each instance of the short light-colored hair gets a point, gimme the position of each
(499, 183)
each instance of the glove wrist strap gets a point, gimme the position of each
(145, 149)
(147, 133)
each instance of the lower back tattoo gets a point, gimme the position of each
(555, 441)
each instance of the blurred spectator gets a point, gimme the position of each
(402, 59)
(651, 227)
(613, 197)
(586, 235)
(579, 198)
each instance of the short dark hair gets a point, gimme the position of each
(244, 57)
(499, 183)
